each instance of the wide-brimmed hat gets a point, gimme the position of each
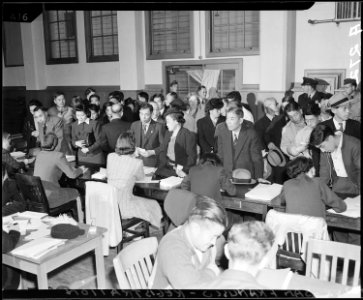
(276, 158)
(338, 99)
(242, 176)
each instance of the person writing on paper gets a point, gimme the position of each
(10, 276)
(247, 249)
(178, 151)
(186, 255)
(208, 178)
(123, 169)
(49, 166)
(305, 194)
(149, 136)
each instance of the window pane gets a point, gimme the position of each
(96, 27)
(61, 15)
(54, 31)
(55, 50)
(115, 45)
(72, 49)
(107, 25)
(97, 46)
(95, 13)
(52, 15)
(62, 30)
(108, 46)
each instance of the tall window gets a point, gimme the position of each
(233, 33)
(348, 10)
(60, 36)
(169, 34)
(101, 35)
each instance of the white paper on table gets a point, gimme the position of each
(17, 154)
(42, 232)
(353, 208)
(264, 192)
(275, 278)
(70, 158)
(101, 174)
(147, 179)
(31, 215)
(149, 170)
(170, 182)
(38, 247)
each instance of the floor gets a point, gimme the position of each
(80, 273)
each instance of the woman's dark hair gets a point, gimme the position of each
(176, 115)
(117, 95)
(313, 110)
(125, 143)
(94, 107)
(50, 141)
(319, 134)
(210, 158)
(298, 165)
(292, 106)
(214, 103)
(83, 107)
(34, 102)
(95, 96)
(161, 96)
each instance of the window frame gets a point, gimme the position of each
(90, 58)
(47, 42)
(150, 56)
(208, 40)
(351, 3)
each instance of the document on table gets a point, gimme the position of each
(102, 174)
(149, 170)
(31, 215)
(353, 208)
(147, 179)
(70, 158)
(265, 192)
(170, 182)
(38, 247)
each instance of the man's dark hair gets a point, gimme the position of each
(235, 96)
(144, 95)
(298, 165)
(117, 95)
(319, 134)
(34, 102)
(174, 82)
(161, 96)
(211, 158)
(44, 109)
(292, 106)
(312, 110)
(214, 103)
(147, 106)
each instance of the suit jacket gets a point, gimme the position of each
(207, 180)
(185, 149)
(304, 100)
(246, 154)
(152, 140)
(273, 132)
(206, 132)
(53, 124)
(50, 165)
(29, 127)
(261, 126)
(352, 127)
(110, 133)
(351, 159)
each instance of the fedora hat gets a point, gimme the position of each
(276, 158)
(338, 99)
(242, 176)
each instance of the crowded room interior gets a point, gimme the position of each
(182, 149)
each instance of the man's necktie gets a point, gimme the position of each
(144, 128)
(340, 128)
(235, 139)
(44, 129)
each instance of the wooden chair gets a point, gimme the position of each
(134, 264)
(289, 254)
(31, 188)
(335, 250)
(132, 229)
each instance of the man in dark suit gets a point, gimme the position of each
(340, 105)
(310, 94)
(148, 136)
(207, 126)
(111, 131)
(271, 110)
(238, 144)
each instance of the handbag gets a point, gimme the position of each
(90, 139)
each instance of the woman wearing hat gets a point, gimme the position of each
(178, 150)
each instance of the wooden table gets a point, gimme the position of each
(63, 254)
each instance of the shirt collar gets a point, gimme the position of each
(86, 121)
(336, 123)
(237, 131)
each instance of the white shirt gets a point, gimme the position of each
(247, 115)
(336, 124)
(235, 133)
(36, 124)
(147, 126)
(337, 158)
(86, 121)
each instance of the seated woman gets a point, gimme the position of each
(49, 166)
(178, 150)
(208, 178)
(86, 136)
(123, 169)
(305, 194)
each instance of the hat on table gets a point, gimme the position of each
(242, 176)
(65, 231)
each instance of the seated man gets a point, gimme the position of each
(186, 255)
(247, 247)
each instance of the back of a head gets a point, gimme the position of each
(234, 96)
(125, 143)
(319, 134)
(207, 209)
(116, 109)
(300, 164)
(211, 158)
(249, 242)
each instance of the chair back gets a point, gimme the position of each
(32, 190)
(335, 250)
(293, 242)
(178, 204)
(134, 264)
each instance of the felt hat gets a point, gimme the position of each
(350, 80)
(242, 176)
(276, 158)
(309, 81)
(65, 231)
(338, 99)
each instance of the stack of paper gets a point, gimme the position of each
(170, 182)
(37, 248)
(149, 170)
(264, 192)
(101, 175)
(70, 158)
(275, 278)
(353, 208)
(31, 215)
(147, 179)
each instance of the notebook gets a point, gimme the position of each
(264, 192)
(275, 278)
(170, 182)
(353, 208)
(38, 247)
